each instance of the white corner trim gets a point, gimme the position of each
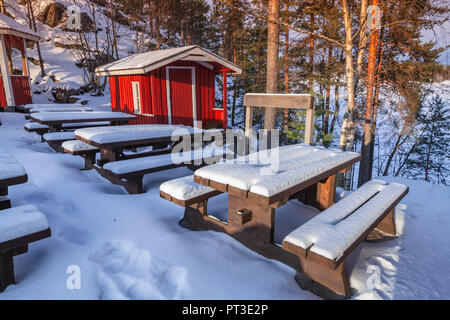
(7, 85)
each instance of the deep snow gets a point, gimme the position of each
(131, 246)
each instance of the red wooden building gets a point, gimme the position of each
(171, 86)
(15, 77)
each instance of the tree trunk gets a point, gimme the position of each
(348, 124)
(286, 71)
(430, 145)
(272, 60)
(364, 174)
(41, 62)
(327, 96)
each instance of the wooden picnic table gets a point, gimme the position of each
(11, 173)
(260, 183)
(113, 140)
(55, 120)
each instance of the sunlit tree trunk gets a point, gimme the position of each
(272, 60)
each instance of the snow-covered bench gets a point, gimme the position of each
(186, 193)
(38, 128)
(79, 148)
(323, 243)
(11, 173)
(129, 173)
(56, 139)
(19, 226)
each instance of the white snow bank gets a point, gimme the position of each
(51, 105)
(9, 167)
(20, 221)
(127, 272)
(334, 230)
(184, 188)
(77, 145)
(269, 172)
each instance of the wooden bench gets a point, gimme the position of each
(38, 128)
(56, 139)
(186, 193)
(323, 243)
(19, 226)
(129, 173)
(79, 148)
(11, 173)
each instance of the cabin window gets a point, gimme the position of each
(136, 97)
(16, 63)
(218, 103)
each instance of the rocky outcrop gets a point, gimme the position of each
(53, 14)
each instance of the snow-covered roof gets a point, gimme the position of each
(148, 61)
(12, 27)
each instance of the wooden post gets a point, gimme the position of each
(294, 101)
(224, 102)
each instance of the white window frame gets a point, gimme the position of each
(137, 101)
(194, 98)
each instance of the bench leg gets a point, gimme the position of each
(134, 185)
(6, 270)
(5, 204)
(320, 275)
(387, 228)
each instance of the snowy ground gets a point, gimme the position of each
(131, 246)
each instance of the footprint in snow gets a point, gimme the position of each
(127, 272)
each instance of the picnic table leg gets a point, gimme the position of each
(251, 219)
(3, 191)
(6, 269)
(320, 195)
(107, 155)
(89, 160)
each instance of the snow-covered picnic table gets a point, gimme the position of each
(11, 173)
(55, 120)
(113, 140)
(270, 176)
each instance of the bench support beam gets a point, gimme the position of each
(6, 269)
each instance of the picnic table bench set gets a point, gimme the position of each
(256, 183)
(19, 225)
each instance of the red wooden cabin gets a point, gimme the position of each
(15, 77)
(171, 86)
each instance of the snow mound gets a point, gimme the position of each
(127, 272)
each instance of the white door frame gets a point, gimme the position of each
(194, 98)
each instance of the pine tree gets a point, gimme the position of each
(429, 157)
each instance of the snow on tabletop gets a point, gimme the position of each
(52, 105)
(77, 145)
(131, 132)
(60, 109)
(60, 116)
(9, 167)
(20, 221)
(145, 163)
(269, 172)
(63, 135)
(334, 230)
(184, 188)
(35, 125)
